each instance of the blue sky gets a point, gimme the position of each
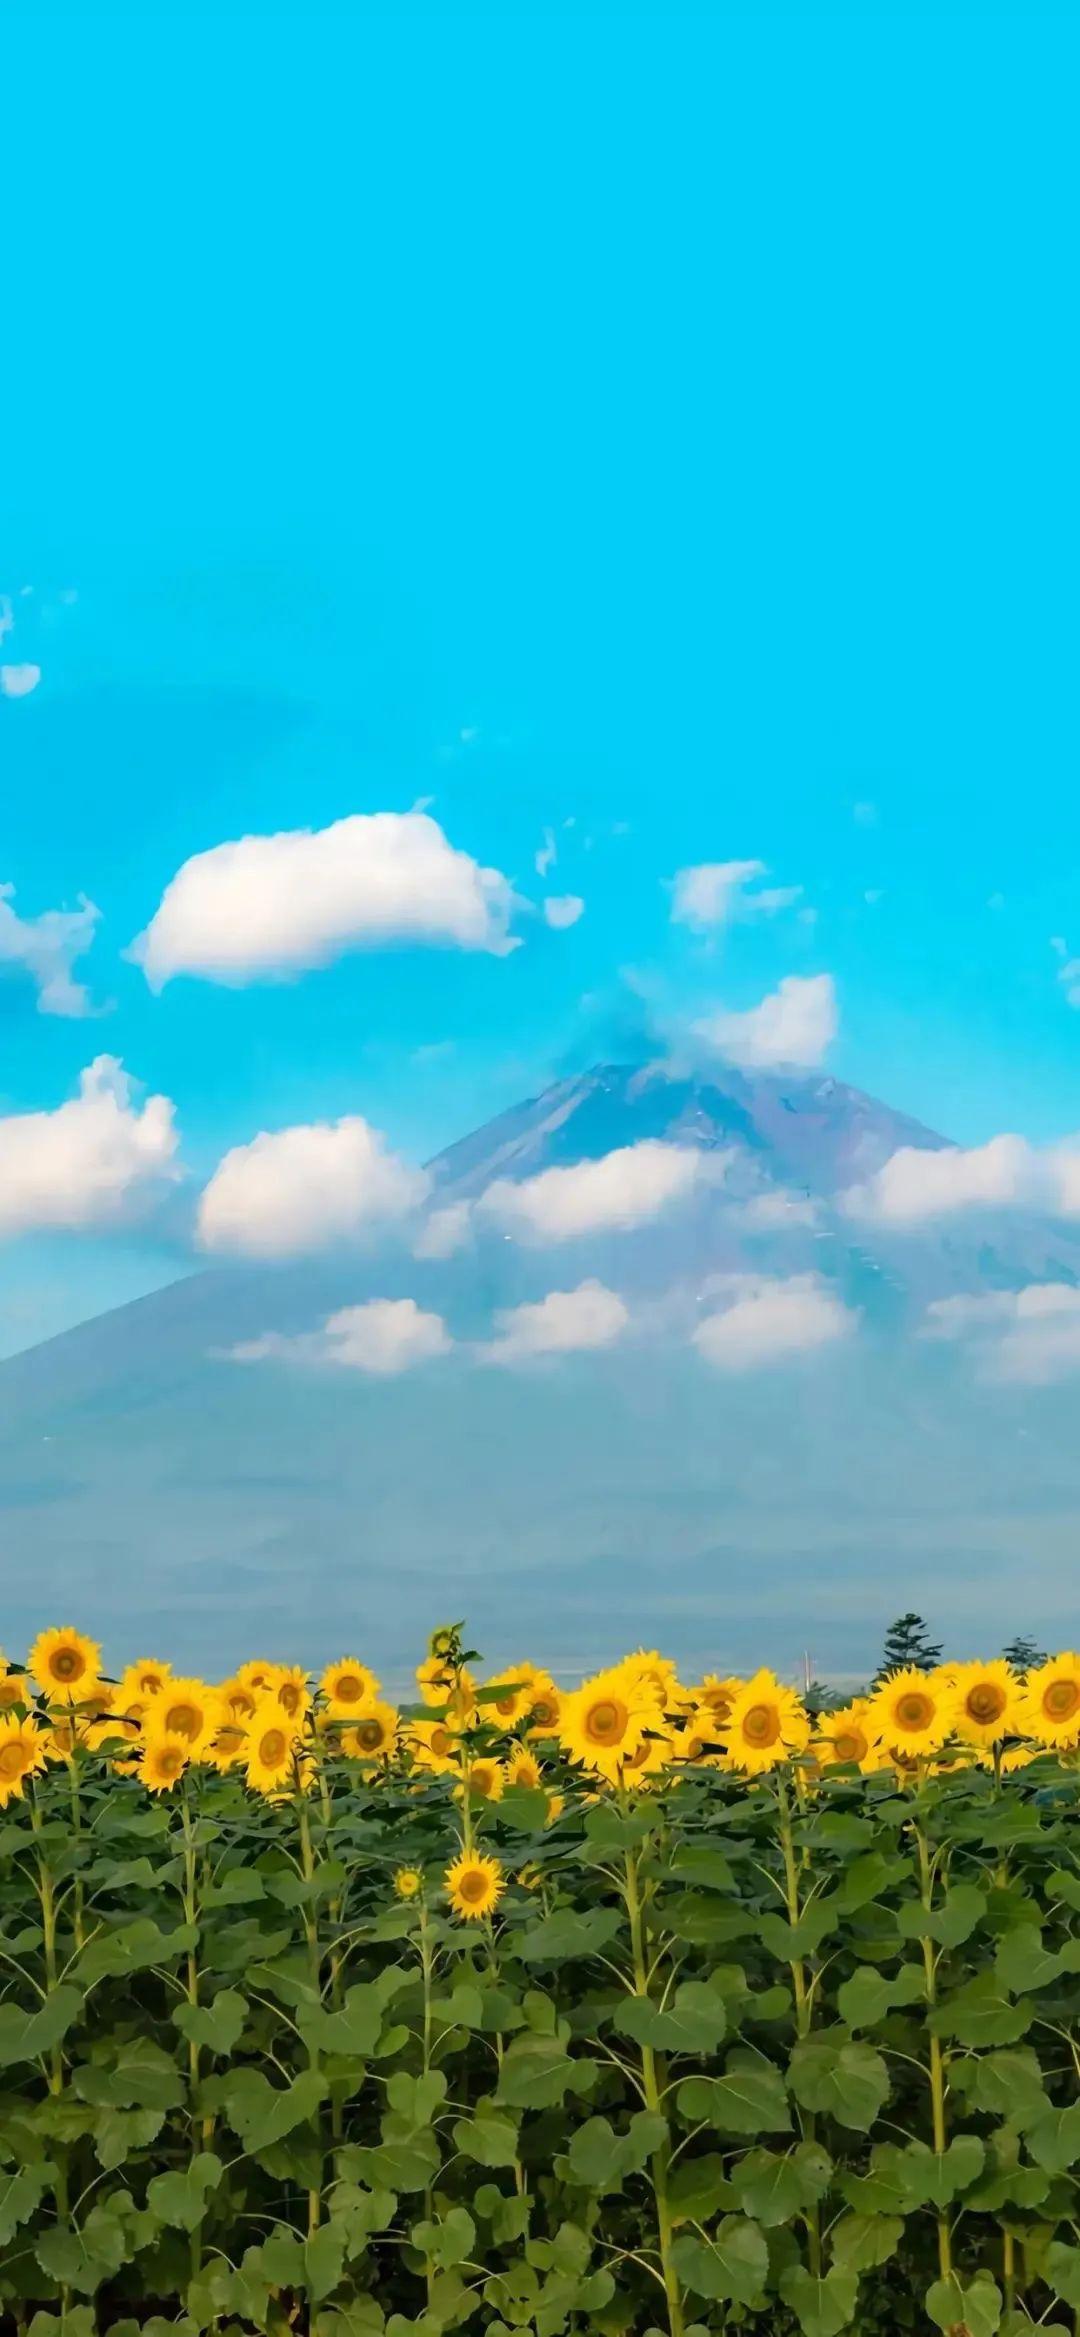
(660, 424)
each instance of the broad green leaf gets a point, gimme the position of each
(1063, 2271)
(565, 1935)
(730, 2267)
(215, 2027)
(600, 2159)
(399, 2166)
(865, 1999)
(748, 2099)
(695, 2021)
(118, 2134)
(1008, 2084)
(773, 2188)
(976, 2310)
(960, 1913)
(935, 2181)
(141, 2075)
(22, 2190)
(822, 2306)
(1054, 2140)
(181, 2198)
(842, 2076)
(25, 2035)
(697, 2187)
(1024, 1962)
(261, 2113)
(864, 2241)
(355, 2029)
(448, 2241)
(491, 2141)
(982, 2013)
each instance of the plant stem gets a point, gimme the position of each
(311, 1928)
(937, 2063)
(652, 2075)
(803, 1999)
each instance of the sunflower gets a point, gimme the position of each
(766, 1723)
(650, 1756)
(441, 1686)
(474, 1885)
(545, 1706)
(22, 1751)
(120, 1728)
(434, 1747)
(65, 1664)
(145, 1678)
(515, 1694)
(165, 1756)
(229, 1747)
(290, 1684)
(603, 1722)
(715, 1695)
(556, 1803)
(372, 1734)
(408, 1882)
(659, 1675)
(189, 1709)
(238, 1701)
(15, 1689)
(257, 1675)
(347, 1684)
(269, 1753)
(911, 1713)
(483, 1781)
(844, 1739)
(523, 1769)
(986, 1704)
(1050, 1706)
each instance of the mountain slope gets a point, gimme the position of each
(157, 1489)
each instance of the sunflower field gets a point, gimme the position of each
(643, 2007)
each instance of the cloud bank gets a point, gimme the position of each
(1031, 1335)
(304, 1189)
(796, 1024)
(623, 1189)
(768, 1320)
(89, 1163)
(383, 1338)
(566, 1322)
(47, 948)
(715, 891)
(269, 907)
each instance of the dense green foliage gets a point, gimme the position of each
(764, 2057)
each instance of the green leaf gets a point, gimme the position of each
(215, 2027)
(865, 1999)
(538, 2073)
(982, 2013)
(491, 2141)
(324, 2258)
(448, 2241)
(748, 2099)
(1054, 2140)
(599, 2159)
(1063, 2271)
(1024, 1962)
(21, 2194)
(180, 2199)
(839, 2075)
(976, 2310)
(695, 2022)
(960, 1913)
(118, 2134)
(25, 2035)
(698, 2187)
(141, 2075)
(865, 2241)
(355, 2029)
(564, 1935)
(934, 2180)
(773, 2188)
(789, 1941)
(822, 2306)
(1008, 2084)
(133, 1947)
(400, 2166)
(261, 2113)
(729, 2268)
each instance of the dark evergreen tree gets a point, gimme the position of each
(1023, 1654)
(907, 1647)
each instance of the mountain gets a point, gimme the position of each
(167, 1495)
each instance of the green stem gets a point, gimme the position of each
(198, 2139)
(47, 1897)
(937, 2063)
(76, 1828)
(311, 1928)
(652, 2075)
(804, 2008)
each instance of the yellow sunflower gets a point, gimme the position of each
(524, 1769)
(766, 1723)
(165, 1756)
(1050, 1706)
(22, 1752)
(65, 1664)
(474, 1885)
(844, 1739)
(189, 1709)
(556, 1803)
(347, 1684)
(545, 1706)
(603, 1722)
(408, 1882)
(237, 1700)
(145, 1678)
(986, 1701)
(372, 1735)
(270, 1750)
(256, 1675)
(1013, 1757)
(434, 1747)
(229, 1747)
(439, 1686)
(515, 1688)
(483, 1781)
(659, 1675)
(290, 1684)
(911, 1713)
(15, 1689)
(715, 1695)
(650, 1756)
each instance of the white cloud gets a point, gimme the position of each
(444, 1232)
(47, 946)
(767, 1320)
(917, 1184)
(1031, 1335)
(383, 1338)
(563, 909)
(17, 681)
(547, 855)
(89, 1162)
(565, 1322)
(268, 906)
(295, 1192)
(715, 891)
(621, 1190)
(777, 1211)
(795, 1024)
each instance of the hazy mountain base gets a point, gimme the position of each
(168, 1494)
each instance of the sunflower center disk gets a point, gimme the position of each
(761, 1725)
(986, 1704)
(273, 1746)
(914, 1712)
(1062, 1699)
(605, 1723)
